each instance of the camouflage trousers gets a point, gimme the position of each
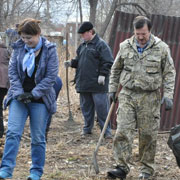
(137, 110)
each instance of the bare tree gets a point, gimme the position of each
(47, 12)
(93, 6)
(80, 10)
(158, 7)
(40, 3)
(16, 9)
(1, 15)
(117, 4)
(108, 17)
(11, 11)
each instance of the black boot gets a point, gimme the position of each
(117, 173)
(1, 127)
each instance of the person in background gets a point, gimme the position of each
(13, 36)
(4, 81)
(142, 66)
(33, 70)
(93, 63)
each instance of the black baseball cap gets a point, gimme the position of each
(85, 26)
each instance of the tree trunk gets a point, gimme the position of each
(108, 18)
(13, 10)
(1, 15)
(80, 9)
(93, 6)
(7, 10)
(48, 11)
(38, 9)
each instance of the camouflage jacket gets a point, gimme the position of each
(149, 71)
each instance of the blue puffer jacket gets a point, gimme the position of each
(44, 78)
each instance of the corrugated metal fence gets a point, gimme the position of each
(168, 29)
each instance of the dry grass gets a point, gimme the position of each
(74, 97)
(69, 156)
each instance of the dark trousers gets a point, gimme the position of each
(3, 92)
(91, 102)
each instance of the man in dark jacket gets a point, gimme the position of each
(93, 63)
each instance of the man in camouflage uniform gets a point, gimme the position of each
(143, 64)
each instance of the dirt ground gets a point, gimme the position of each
(69, 155)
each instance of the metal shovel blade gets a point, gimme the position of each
(95, 164)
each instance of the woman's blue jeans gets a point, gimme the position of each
(18, 114)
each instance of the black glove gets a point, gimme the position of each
(25, 97)
(112, 97)
(168, 103)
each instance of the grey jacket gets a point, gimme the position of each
(4, 61)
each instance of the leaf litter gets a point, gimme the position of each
(69, 155)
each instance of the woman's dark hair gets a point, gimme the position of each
(29, 26)
(140, 21)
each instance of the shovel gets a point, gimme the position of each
(95, 164)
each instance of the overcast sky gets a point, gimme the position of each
(68, 13)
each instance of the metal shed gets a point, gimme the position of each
(168, 29)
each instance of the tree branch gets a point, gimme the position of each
(136, 5)
(26, 10)
(37, 12)
(108, 18)
(80, 9)
(93, 6)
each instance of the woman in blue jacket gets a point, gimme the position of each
(33, 70)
